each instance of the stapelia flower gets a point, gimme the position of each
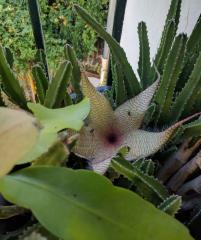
(108, 130)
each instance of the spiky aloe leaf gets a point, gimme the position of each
(57, 89)
(192, 52)
(197, 101)
(192, 129)
(193, 104)
(40, 82)
(149, 187)
(118, 83)
(36, 23)
(145, 165)
(174, 11)
(9, 57)
(76, 74)
(171, 72)
(118, 53)
(138, 163)
(182, 99)
(148, 167)
(171, 205)
(165, 45)
(10, 83)
(34, 13)
(168, 34)
(144, 64)
(195, 37)
(40, 58)
(190, 60)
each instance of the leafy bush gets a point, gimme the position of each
(60, 23)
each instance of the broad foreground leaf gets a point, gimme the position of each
(18, 134)
(83, 205)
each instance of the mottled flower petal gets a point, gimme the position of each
(131, 113)
(101, 113)
(101, 167)
(101, 137)
(143, 143)
(93, 147)
(107, 131)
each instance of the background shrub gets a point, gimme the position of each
(60, 23)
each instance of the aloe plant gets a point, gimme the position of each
(165, 103)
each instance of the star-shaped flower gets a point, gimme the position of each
(108, 130)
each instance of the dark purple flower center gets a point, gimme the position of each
(112, 138)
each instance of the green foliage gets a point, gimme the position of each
(76, 73)
(9, 81)
(195, 38)
(192, 129)
(146, 165)
(171, 72)
(147, 186)
(61, 194)
(168, 34)
(56, 91)
(57, 194)
(56, 155)
(34, 13)
(53, 121)
(40, 81)
(171, 205)
(132, 85)
(118, 83)
(170, 61)
(190, 87)
(144, 64)
(60, 24)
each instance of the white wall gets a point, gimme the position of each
(153, 12)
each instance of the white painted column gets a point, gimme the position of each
(153, 12)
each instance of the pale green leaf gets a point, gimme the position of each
(82, 205)
(45, 141)
(55, 120)
(18, 135)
